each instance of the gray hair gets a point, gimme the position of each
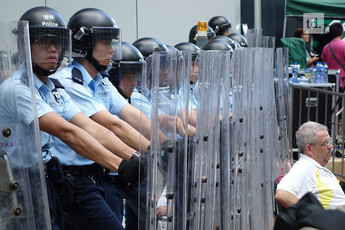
(307, 134)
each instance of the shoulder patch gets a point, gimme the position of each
(77, 76)
(57, 83)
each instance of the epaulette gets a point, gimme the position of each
(77, 76)
(57, 83)
(105, 74)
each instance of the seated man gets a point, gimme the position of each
(309, 173)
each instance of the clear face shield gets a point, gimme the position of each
(131, 75)
(194, 71)
(106, 43)
(50, 47)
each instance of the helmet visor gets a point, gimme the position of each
(106, 43)
(131, 75)
(55, 41)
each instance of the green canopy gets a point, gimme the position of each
(330, 8)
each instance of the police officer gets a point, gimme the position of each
(193, 34)
(141, 97)
(95, 44)
(127, 72)
(195, 50)
(220, 25)
(239, 38)
(217, 45)
(234, 44)
(59, 117)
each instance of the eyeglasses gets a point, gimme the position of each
(46, 42)
(325, 143)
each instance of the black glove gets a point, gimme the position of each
(129, 171)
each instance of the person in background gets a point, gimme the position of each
(311, 58)
(309, 173)
(221, 25)
(333, 53)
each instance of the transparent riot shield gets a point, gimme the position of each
(207, 140)
(284, 155)
(255, 138)
(254, 38)
(23, 195)
(167, 182)
(224, 161)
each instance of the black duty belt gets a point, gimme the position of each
(86, 170)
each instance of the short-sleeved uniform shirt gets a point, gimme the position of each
(51, 97)
(91, 95)
(17, 111)
(142, 101)
(307, 175)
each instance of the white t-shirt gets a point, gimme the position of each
(309, 176)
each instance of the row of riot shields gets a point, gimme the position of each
(220, 158)
(211, 165)
(23, 197)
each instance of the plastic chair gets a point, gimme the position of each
(297, 51)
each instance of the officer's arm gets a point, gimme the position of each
(78, 140)
(168, 123)
(285, 198)
(191, 116)
(103, 135)
(122, 129)
(139, 121)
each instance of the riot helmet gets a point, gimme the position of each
(239, 38)
(217, 45)
(189, 47)
(220, 25)
(148, 45)
(193, 33)
(47, 30)
(96, 37)
(172, 48)
(195, 50)
(127, 72)
(234, 45)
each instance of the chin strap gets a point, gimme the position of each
(43, 72)
(95, 63)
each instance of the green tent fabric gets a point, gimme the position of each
(297, 51)
(330, 8)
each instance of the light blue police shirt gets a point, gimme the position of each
(142, 101)
(17, 112)
(93, 95)
(15, 101)
(59, 101)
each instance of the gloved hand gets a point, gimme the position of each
(129, 171)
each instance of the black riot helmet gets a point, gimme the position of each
(219, 24)
(189, 47)
(46, 28)
(193, 34)
(131, 66)
(172, 48)
(234, 45)
(148, 45)
(217, 45)
(91, 26)
(239, 38)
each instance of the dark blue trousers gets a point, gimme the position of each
(55, 208)
(96, 204)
